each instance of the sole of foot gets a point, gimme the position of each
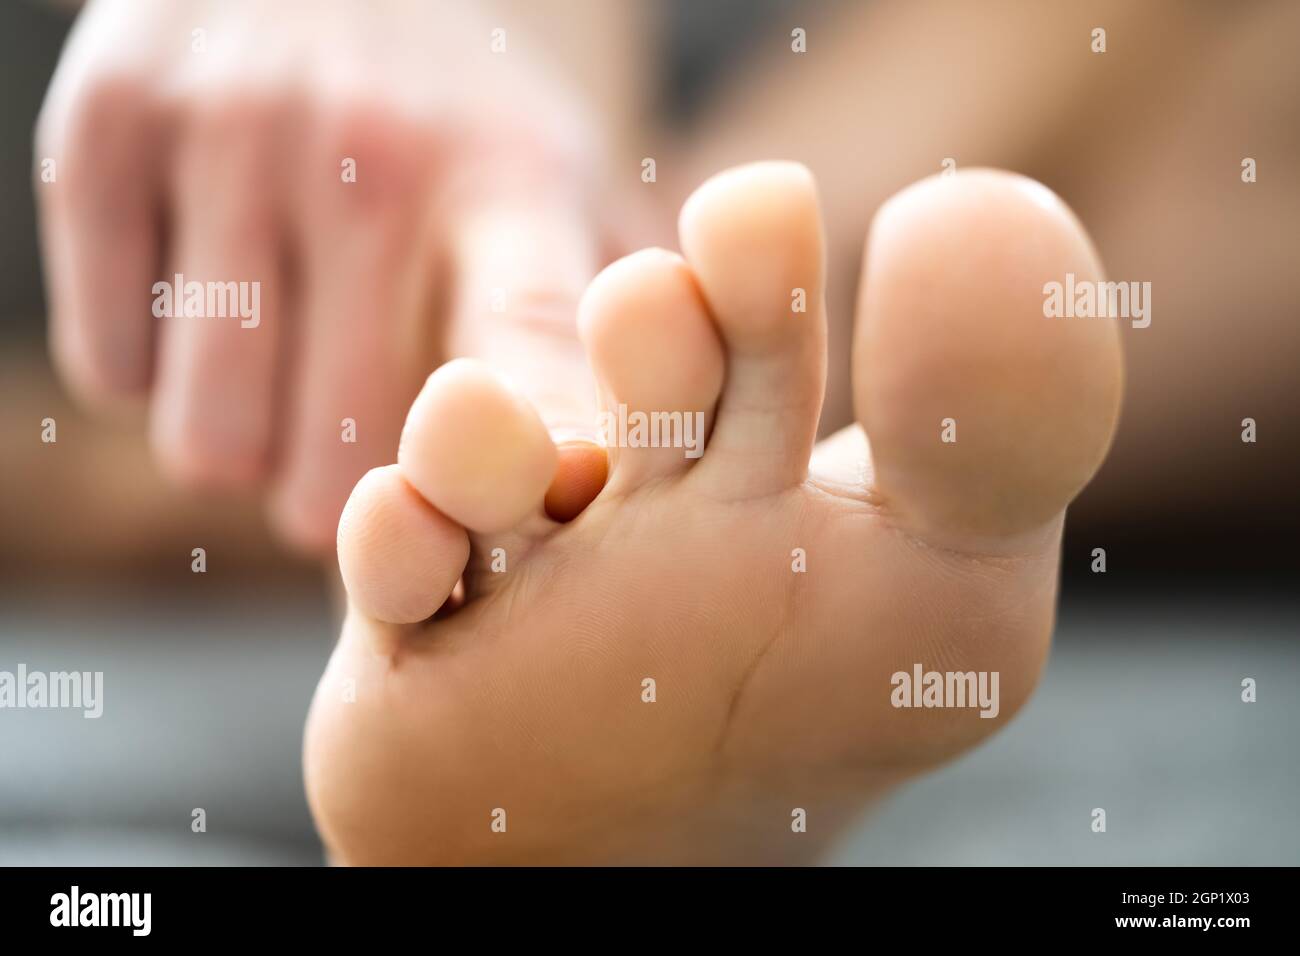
(704, 664)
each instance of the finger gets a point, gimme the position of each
(213, 401)
(99, 148)
(364, 343)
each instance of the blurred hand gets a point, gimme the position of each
(399, 191)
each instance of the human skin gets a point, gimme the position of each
(1146, 141)
(210, 139)
(523, 696)
(1092, 126)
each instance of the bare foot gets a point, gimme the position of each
(703, 665)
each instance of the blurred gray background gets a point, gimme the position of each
(1139, 713)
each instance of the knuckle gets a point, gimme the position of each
(236, 127)
(391, 156)
(107, 102)
(98, 127)
(235, 115)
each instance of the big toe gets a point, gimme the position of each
(985, 416)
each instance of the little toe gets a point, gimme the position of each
(399, 556)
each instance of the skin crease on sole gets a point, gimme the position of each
(766, 605)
